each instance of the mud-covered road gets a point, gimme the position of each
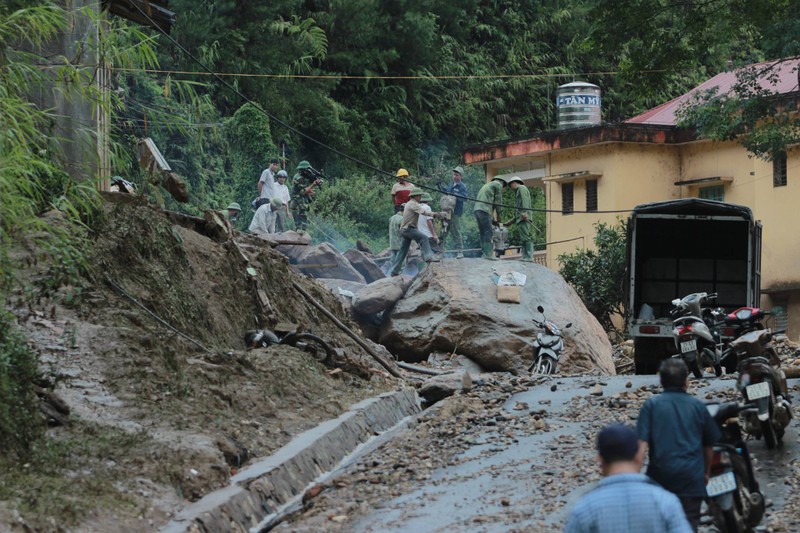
(513, 454)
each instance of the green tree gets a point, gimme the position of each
(676, 46)
(750, 112)
(350, 208)
(30, 182)
(598, 276)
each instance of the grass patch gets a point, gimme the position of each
(67, 478)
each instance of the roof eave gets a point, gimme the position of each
(161, 17)
(553, 141)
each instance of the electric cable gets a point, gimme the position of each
(378, 171)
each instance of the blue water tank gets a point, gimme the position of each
(578, 105)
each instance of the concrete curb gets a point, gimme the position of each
(262, 488)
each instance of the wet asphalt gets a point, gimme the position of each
(512, 480)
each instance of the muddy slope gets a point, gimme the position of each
(157, 417)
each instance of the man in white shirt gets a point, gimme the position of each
(281, 193)
(426, 224)
(409, 230)
(266, 183)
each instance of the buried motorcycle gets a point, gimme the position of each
(763, 385)
(547, 346)
(734, 497)
(696, 341)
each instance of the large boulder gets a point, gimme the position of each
(343, 289)
(452, 306)
(324, 261)
(380, 295)
(292, 244)
(366, 266)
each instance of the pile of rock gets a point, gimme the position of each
(453, 307)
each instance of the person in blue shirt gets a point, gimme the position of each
(625, 501)
(458, 188)
(679, 434)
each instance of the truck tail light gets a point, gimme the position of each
(649, 329)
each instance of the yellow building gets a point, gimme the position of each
(599, 173)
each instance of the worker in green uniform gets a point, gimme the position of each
(488, 200)
(522, 217)
(303, 192)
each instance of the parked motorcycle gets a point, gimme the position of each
(762, 384)
(735, 324)
(697, 342)
(734, 497)
(547, 346)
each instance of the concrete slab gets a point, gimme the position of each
(263, 487)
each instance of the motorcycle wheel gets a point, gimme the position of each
(544, 365)
(695, 368)
(768, 432)
(745, 514)
(311, 344)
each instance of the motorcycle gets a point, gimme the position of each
(735, 324)
(762, 384)
(547, 346)
(734, 497)
(697, 342)
(307, 342)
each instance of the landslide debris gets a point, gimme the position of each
(165, 403)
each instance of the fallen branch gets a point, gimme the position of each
(420, 369)
(623, 366)
(352, 334)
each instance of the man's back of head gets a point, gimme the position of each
(673, 373)
(617, 442)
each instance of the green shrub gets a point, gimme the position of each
(20, 422)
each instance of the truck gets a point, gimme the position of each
(678, 247)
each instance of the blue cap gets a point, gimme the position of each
(617, 442)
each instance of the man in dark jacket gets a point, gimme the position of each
(679, 434)
(454, 228)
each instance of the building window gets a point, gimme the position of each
(779, 170)
(591, 195)
(717, 193)
(779, 311)
(566, 198)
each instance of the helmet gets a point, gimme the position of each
(416, 191)
(276, 202)
(459, 170)
(515, 178)
(282, 173)
(500, 179)
(235, 206)
(402, 173)
(303, 164)
(426, 197)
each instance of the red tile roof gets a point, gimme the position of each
(785, 71)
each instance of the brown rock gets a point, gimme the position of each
(452, 306)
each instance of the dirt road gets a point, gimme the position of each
(514, 455)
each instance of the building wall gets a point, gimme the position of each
(752, 185)
(632, 174)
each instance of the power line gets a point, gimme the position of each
(378, 77)
(349, 157)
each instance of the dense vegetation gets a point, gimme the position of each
(598, 275)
